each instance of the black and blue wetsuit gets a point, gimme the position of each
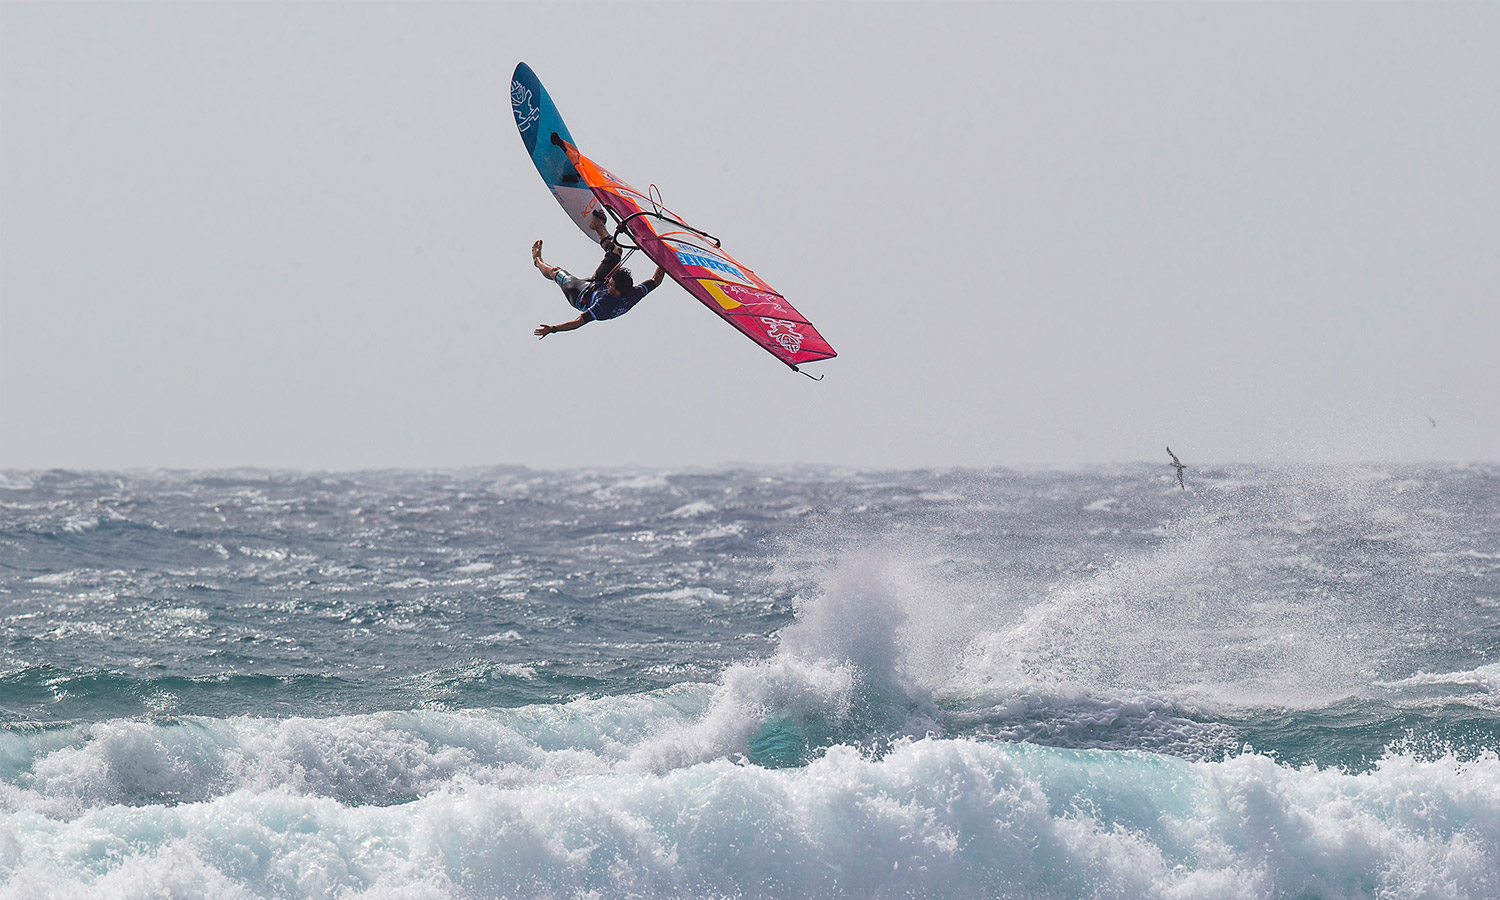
(592, 296)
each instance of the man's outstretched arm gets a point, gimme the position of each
(544, 330)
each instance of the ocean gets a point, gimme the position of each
(1281, 682)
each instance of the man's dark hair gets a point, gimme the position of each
(622, 280)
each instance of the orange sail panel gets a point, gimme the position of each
(695, 260)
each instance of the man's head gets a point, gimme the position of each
(621, 281)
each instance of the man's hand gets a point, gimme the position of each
(544, 330)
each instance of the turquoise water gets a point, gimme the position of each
(751, 683)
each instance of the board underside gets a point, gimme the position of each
(537, 119)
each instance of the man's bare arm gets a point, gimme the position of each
(544, 330)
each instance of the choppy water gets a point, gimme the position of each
(751, 683)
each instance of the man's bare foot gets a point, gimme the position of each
(596, 225)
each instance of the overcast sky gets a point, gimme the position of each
(296, 235)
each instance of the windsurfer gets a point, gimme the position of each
(611, 291)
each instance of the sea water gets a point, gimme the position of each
(1279, 682)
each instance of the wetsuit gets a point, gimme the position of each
(591, 295)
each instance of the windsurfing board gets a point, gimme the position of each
(537, 119)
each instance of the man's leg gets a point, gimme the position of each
(573, 288)
(548, 272)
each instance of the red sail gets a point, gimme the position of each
(695, 261)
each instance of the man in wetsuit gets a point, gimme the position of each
(609, 293)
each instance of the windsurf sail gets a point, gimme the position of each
(695, 260)
(692, 257)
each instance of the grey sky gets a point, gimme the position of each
(297, 235)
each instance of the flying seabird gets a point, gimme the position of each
(1178, 463)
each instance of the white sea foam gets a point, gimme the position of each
(693, 510)
(60, 578)
(379, 758)
(732, 529)
(1484, 678)
(691, 596)
(75, 524)
(928, 818)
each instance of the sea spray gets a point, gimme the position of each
(838, 675)
(1295, 589)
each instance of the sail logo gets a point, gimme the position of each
(748, 296)
(520, 104)
(707, 262)
(731, 296)
(783, 333)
